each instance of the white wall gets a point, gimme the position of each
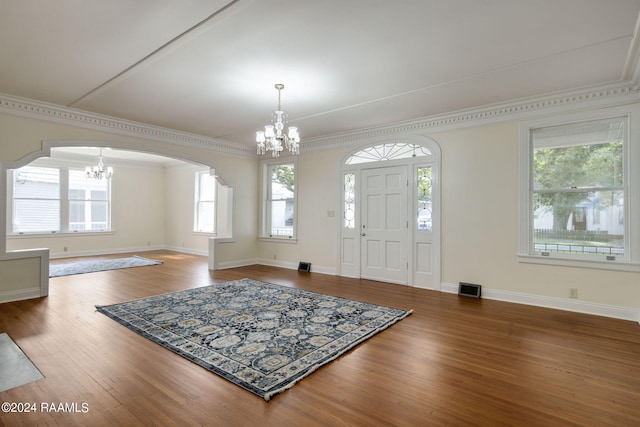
(23, 139)
(480, 224)
(239, 173)
(179, 185)
(317, 179)
(137, 211)
(152, 207)
(479, 190)
(479, 211)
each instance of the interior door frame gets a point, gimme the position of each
(349, 250)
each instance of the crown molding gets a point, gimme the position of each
(587, 98)
(55, 113)
(595, 97)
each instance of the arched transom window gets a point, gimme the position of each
(389, 151)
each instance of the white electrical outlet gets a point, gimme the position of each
(573, 292)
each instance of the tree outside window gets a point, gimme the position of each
(577, 187)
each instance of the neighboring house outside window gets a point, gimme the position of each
(58, 200)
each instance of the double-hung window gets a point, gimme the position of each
(205, 203)
(36, 200)
(88, 202)
(579, 195)
(279, 196)
(49, 199)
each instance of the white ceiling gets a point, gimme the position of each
(208, 67)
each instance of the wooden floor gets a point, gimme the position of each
(454, 361)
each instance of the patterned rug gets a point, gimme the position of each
(91, 266)
(260, 336)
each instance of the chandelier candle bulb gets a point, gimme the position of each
(268, 131)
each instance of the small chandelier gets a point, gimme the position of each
(273, 138)
(99, 171)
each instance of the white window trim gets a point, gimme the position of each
(264, 197)
(631, 259)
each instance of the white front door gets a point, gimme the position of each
(384, 227)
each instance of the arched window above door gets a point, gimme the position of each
(387, 151)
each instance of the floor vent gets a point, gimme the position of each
(304, 266)
(469, 290)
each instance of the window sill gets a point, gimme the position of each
(204, 233)
(216, 236)
(580, 263)
(59, 234)
(278, 239)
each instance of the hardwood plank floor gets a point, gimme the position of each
(454, 361)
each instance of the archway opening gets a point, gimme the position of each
(155, 199)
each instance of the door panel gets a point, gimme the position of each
(393, 251)
(423, 257)
(372, 248)
(393, 220)
(348, 250)
(384, 224)
(373, 216)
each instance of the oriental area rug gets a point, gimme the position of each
(260, 336)
(94, 265)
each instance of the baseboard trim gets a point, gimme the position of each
(185, 250)
(236, 263)
(18, 295)
(294, 266)
(577, 306)
(96, 252)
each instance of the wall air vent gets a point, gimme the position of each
(469, 290)
(304, 266)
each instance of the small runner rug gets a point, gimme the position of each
(91, 266)
(260, 336)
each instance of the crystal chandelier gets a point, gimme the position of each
(99, 171)
(273, 138)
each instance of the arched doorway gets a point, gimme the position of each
(390, 221)
(141, 149)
